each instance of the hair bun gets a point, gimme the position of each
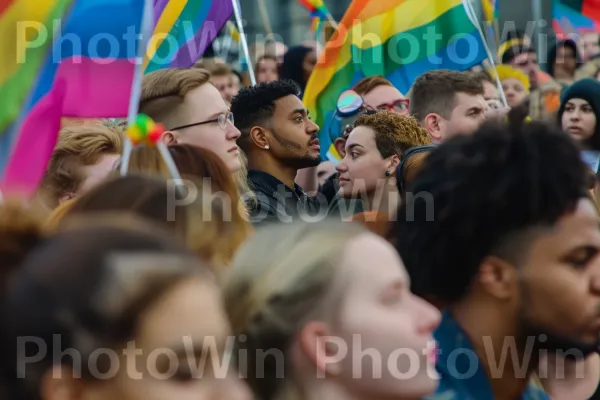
(20, 231)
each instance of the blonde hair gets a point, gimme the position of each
(282, 277)
(58, 215)
(78, 146)
(164, 91)
(507, 72)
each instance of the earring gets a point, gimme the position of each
(388, 173)
(267, 147)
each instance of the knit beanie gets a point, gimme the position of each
(587, 89)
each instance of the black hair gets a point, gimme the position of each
(515, 51)
(553, 53)
(256, 104)
(292, 67)
(485, 195)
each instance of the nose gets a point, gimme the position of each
(428, 316)
(232, 133)
(595, 278)
(312, 128)
(341, 167)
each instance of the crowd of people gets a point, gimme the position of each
(453, 252)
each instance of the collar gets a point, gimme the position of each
(272, 184)
(461, 375)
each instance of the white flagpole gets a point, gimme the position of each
(237, 11)
(473, 17)
(136, 85)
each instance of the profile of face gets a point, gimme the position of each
(490, 94)
(292, 136)
(95, 174)
(591, 47)
(579, 119)
(203, 104)
(169, 346)
(235, 84)
(466, 117)
(377, 311)
(224, 85)
(385, 97)
(308, 64)
(528, 64)
(324, 171)
(267, 70)
(514, 91)
(560, 282)
(362, 170)
(566, 60)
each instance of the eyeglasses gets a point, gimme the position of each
(400, 106)
(221, 120)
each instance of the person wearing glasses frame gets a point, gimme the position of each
(192, 111)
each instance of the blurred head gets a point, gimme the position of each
(236, 82)
(220, 77)
(275, 123)
(591, 45)
(266, 69)
(324, 171)
(374, 149)
(490, 91)
(410, 167)
(217, 231)
(380, 94)
(298, 63)
(83, 157)
(277, 50)
(525, 59)
(579, 111)
(308, 291)
(448, 103)
(563, 59)
(192, 111)
(109, 291)
(514, 83)
(538, 269)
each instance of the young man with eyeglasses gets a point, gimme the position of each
(192, 111)
(279, 138)
(380, 94)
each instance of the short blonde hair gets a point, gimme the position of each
(281, 278)
(78, 146)
(507, 72)
(164, 91)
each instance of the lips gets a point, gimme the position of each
(343, 180)
(234, 149)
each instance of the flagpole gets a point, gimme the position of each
(136, 84)
(536, 13)
(238, 19)
(472, 16)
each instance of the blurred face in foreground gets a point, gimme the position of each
(170, 361)
(377, 311)
(560, 284)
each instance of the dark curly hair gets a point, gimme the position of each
(256, 104)
(487, 194)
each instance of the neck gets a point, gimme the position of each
(508, 364)
(274, 167)
(561, 74)
(385, 198)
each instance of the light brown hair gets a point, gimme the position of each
(394, 133)
(435, 92)
(77, 146)
(164, 91)
(366, 85)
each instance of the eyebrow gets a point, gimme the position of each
(302, 111)
(353, 145)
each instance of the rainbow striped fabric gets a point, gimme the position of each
(183, 31)
(389, 38)
(88, 74)
(566, 19)
(316, 7)
(490, 10)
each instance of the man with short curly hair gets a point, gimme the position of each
(279, 138)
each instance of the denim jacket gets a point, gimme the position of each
(461, 376)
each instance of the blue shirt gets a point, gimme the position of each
(461, 377)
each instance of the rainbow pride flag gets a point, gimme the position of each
(490, 10)
(389, 38)
(87, 74)
(183, 30)
(589, 8)
(566, 20)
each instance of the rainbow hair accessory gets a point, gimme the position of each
(144, 131)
